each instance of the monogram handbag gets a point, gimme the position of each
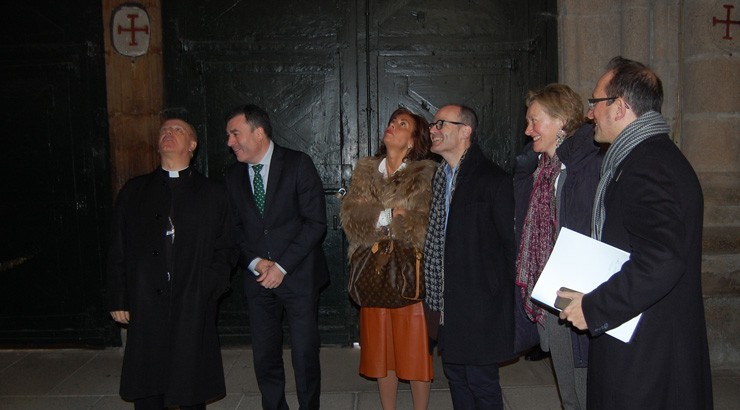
(387, 274)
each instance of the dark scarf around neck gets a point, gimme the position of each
(434, 245)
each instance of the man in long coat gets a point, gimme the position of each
(648, 203)
(469, 262)
(169, 262)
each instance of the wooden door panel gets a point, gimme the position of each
(301, 114)
(298, 91)
(54, 204)
(485, 84)
(331, 72)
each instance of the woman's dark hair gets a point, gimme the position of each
(422, 143)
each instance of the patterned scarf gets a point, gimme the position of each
(434, 245)
(649, 124)
(539, 232)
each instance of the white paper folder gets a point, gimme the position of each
(581, 263)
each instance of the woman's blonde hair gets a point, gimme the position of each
(561, 102)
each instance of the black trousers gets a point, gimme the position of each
(266, 311)
(474, 387)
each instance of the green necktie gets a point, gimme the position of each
(259, 188)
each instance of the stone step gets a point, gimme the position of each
(721, 215)
(720, 274)
(720, 188)
(723, 332)
(721, 239)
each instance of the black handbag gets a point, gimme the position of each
(388, 274)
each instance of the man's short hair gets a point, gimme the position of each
(469, 117)
(256, 117)
(637, 84)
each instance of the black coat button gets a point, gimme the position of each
(155, 253)
(159, 291)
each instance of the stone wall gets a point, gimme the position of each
(697, 55)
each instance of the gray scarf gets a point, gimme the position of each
(434, 245)
(647, 125)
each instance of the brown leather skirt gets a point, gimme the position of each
(395, 339)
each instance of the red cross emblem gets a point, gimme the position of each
(727, 22)
(133, 29)
(130, 30)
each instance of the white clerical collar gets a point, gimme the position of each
(383, 169)
(174, 174)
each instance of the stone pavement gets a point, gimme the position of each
(88, 379)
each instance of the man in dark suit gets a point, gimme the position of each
(648, 203)
(280, 213)
(469, 257)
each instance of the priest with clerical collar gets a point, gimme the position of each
(170, 260)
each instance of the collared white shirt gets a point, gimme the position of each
(449, 178)
(386, 215)
(266, 161)
(265, 172)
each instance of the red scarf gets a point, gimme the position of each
(539, 232)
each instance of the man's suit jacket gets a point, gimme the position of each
(294, 223)
(479, 266)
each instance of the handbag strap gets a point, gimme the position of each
(418, 272)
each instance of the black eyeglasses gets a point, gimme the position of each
(441, 123)
(592, 101)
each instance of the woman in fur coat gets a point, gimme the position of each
(391, 193)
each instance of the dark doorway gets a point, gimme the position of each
(55, 176)
(331, 72)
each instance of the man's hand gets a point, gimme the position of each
(271, 277)
(262, 266)
(573, 312)
(120, 316)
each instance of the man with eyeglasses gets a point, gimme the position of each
(469, 262)
(648, 203)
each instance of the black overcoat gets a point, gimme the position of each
(479, 266)
(172, 344)
(654, 210)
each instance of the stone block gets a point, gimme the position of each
(666, 33)
(720, 188)
(668, 71)
(711, 85)
(721, 215)
(701, 37)
(720, 274)
(721, 239)
(711, 144)
(571, 46)
(723, 331)
(636, 28)
(597, 48)
(578, 7)
(697, 20)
